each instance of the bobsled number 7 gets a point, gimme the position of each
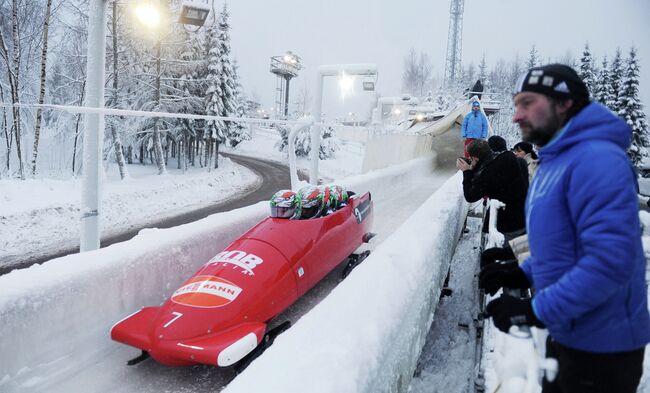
(220, 314)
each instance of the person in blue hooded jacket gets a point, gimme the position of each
(475, 126)
(587, 265)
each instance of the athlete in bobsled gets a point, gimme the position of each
(225, 313)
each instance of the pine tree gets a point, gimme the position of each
(227, 78)
(603, 91)
(238, 131)
(482, 73)
(631, 109)
(615, 77)
(587, 70)
(533, 58)
(215, 129)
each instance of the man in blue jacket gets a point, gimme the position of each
(475, 126)
(587, 264)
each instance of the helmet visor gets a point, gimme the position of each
(310, 212)
(282, 212)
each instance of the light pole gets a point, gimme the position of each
(343, 71)
(93, 126)
(94, 122)
(285, 67)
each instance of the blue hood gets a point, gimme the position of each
(593, 122)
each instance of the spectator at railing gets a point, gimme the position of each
(499, 145)
(587, 263)
(496, 176)
(525, 150)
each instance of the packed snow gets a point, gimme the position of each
(347, 161)
(449, 354)
(43, 214)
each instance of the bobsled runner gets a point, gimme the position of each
(221, 314)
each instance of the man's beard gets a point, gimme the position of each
(542, 134)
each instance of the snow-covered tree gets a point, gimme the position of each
(215, 129)
(417, 74)
(221, 99)
(533, 58)
(483, 73)
(238, 130)
(631, 109)
(586, 70)
(616, 79)
(329, 143)
(603, 91)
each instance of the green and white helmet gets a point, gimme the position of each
(340, 194)
(310, 202)
(283, 204)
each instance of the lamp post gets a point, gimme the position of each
(285, 67)
(343, 71)
(149, 16)
(93, 126)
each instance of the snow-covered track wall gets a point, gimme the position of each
(392, 149)
(367, 335)
(56, 317)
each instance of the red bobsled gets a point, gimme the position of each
(219, 315)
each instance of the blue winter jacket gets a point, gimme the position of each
(475, 125)
(587, 263)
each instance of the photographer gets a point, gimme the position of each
(496, 176)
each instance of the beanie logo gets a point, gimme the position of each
(562, 88)
(547, 81)
(533, 80)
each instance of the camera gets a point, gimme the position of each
(467, 160)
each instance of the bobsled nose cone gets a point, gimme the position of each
(134, 329)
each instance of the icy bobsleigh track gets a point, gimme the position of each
(366, 336)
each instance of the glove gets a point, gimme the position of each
(494, 254)
(502, 274)
(508, 310)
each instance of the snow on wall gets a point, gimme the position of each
(66, 306)
(63, 310)
(367, 335)
(386, 150)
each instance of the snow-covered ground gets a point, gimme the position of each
(43, 214)
(346, 162)
(448, 357)
(39, 216)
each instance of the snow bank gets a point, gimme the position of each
(366, 336)
(43, 214)
(54, 311)
(57, 316)
(385, 150)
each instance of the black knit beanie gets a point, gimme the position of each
(497, 143)
(554, 80)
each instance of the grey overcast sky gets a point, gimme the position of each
(382, 32)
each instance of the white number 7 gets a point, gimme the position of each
(178, 315)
